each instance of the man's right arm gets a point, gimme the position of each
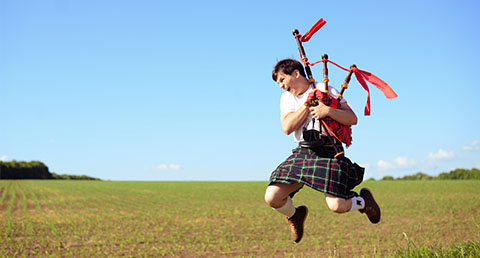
(292, 121)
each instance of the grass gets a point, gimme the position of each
(469, 249)
(217, 219)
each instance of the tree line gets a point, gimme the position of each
(33, 170)
(457, 174)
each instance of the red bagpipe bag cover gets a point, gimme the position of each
(340, 131)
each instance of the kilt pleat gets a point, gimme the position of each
(335, 176)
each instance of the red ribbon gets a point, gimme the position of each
(381, 85)
(363, 76)
(312, 30)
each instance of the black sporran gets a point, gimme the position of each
(312, 135)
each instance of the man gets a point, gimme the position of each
(317, 161)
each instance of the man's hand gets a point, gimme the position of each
(320, 111)
(344, 115)
(313, 98)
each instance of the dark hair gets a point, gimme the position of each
(287, 66)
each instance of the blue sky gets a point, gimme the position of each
(182, 90)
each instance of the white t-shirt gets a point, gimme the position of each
(290, 103)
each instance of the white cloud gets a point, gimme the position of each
(365, 165)
(174, 166)
(398, 162)
(3, 158)
(384, 165)
(403, 162)
(168, 167)
(440, 154)
(162, 167)
(473, 146)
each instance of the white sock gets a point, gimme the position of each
(288, 209)
(357, 203)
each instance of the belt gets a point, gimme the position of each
(323, 147)
(323, 142)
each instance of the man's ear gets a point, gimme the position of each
(296, 73)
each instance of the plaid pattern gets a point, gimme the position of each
(343, 132)
(328, 175)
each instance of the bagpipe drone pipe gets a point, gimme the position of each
(334, 129)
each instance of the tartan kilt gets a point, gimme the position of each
(335, 176)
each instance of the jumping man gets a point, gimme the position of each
(314, 162)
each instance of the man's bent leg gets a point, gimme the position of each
(365, 203)
(337, 204)
(277, 193)
(277, 196)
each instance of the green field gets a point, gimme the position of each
(208, 219)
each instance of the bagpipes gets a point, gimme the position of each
(342, 132)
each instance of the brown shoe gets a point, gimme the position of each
(296, 223)
(371, 207)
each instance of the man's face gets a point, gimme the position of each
(289, 82)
